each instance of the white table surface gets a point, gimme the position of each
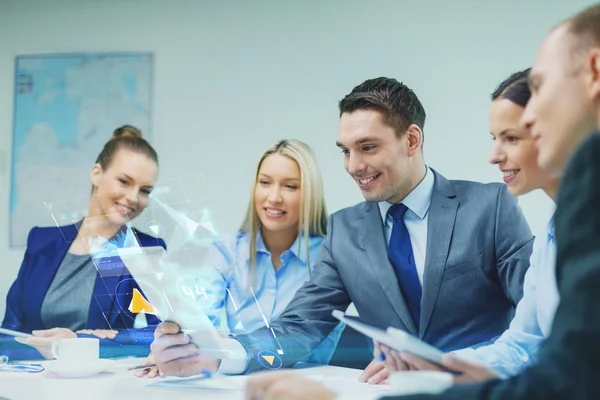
(118, 383)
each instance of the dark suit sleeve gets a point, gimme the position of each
(307, 320)
(568, 366)
(13, 317)
(514, 244)
(15, 351)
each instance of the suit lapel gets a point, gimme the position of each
(372, 239)
(440, 225)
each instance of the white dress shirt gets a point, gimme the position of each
(415, 219)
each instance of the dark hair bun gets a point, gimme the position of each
(127, 131)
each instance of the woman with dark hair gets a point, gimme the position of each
(70, 281)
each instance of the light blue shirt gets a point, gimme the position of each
(252, 302)
(517, 347)
(415, 219)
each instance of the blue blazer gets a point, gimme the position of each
(46, 248)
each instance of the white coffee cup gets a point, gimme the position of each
(419, 382)
(77, 350)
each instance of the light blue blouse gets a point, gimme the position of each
(247, 302)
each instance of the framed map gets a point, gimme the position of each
(66, 107)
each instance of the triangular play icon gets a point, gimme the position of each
(155, 229)
(140, 305)
(239, 326)
(269, 359)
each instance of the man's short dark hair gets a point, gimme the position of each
(398, 105)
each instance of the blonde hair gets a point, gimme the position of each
(313, 212)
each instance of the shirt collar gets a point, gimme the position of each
(417, 201)
(297, 248)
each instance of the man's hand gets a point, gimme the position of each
(385, 361)
(42, 340)
(375, 373)
(175, 355)
(99, 333)
(285, 385)
(150, 372)
(467, 372)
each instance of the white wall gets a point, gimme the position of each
(233, 76)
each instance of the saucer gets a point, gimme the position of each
(78, 370)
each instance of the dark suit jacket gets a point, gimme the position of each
(568, 366)
(46, 248)
(478, 249)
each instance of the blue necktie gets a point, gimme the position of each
(401, 256)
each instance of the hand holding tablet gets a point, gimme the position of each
(393, 338)
(167, 290)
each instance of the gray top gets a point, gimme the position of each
(67, 301)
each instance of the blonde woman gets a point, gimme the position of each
(253, 275)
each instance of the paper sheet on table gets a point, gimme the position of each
(238, 383)
(352, 385)
(235, 382)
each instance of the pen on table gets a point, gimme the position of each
(143, 366)
(377, 353)
(205, 372)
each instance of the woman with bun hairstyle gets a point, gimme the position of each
(63, 290)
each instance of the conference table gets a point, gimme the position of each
(119, 383)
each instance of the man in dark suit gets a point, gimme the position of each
(413, 256)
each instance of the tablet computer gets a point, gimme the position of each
(393, 338)
(173, 295)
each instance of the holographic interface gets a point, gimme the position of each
(176, 285)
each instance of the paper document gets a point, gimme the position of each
(220, 382)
